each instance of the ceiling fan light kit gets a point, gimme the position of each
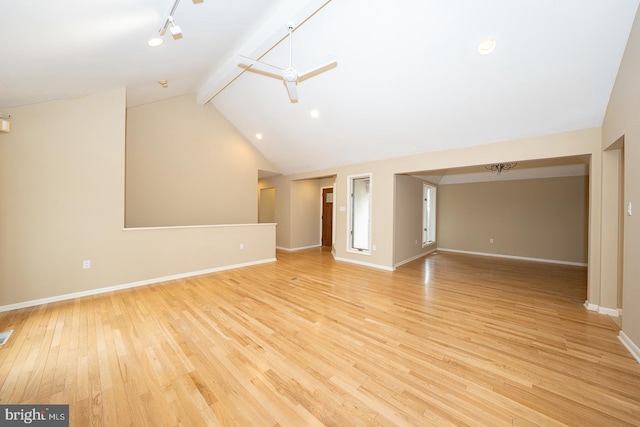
(289, 75)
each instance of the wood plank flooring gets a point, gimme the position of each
(449, 339)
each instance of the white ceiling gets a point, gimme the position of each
(532, 169)
(409, 77)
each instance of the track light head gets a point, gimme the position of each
(176, 32)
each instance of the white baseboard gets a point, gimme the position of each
(549, 261)
(406, 261)
(98, 291)
(297, 249)
(630, 345)
(591, 307)
(614, 312)
(366, 264)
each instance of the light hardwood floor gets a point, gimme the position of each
(449, 339)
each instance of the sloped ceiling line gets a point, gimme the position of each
(266, 38)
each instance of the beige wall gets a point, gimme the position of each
(408, 220)
(298, 210)
(535, 218)
(305, 207)
(621, 120)
(62, 177)
(584, 142)
(62, 171)
(580, 142)
(282, 208)
(611, 273)
(187, 165)
(62, 194)
(267, 205)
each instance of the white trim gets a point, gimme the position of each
(630, 345)
(613, 312)
(350, 201)
(550, 261)
(179, 227)
(359, 251)
(591, 307)
(333, 211)
(334, 216)
(413, 258)
(99, 291)
(366, 264)
(432, 218)
(297, 249)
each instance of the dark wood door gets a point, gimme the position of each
(327, 216)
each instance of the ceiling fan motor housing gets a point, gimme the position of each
(290, 75)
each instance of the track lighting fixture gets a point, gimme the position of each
(169, 22)
(176, 32)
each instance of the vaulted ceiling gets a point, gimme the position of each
(409, 77)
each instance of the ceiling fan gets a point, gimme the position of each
(290, 75)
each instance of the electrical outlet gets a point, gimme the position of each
(490, 240)
(241, 246)
(86, 264)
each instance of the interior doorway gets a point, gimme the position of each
(267, 206)
(327, 216)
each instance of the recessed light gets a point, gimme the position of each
(259, 135)
(315, 114)
(156, 41)
(487, 46)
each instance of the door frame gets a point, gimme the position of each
(333, 214)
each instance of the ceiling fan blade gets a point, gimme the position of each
(292, 89)
(316, 69)
(261, 66)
